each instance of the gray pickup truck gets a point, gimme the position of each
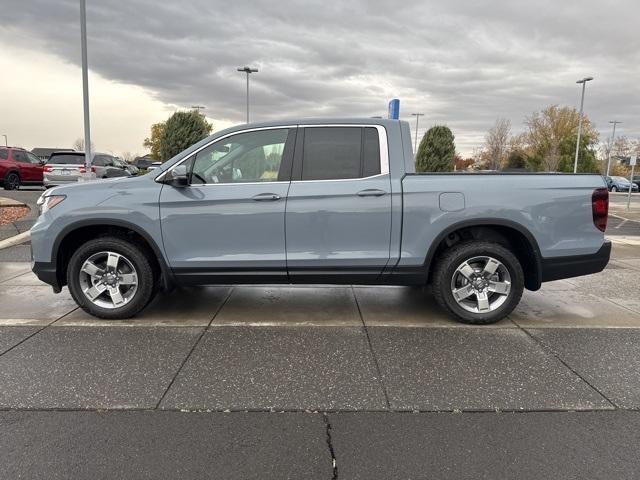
(319, 201)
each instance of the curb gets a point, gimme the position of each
(15, 240)
(9, 202)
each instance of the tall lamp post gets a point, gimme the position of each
(613, 137)
(584, 83)
(6, 142)
(415, 145)
(248, 71)
(85, 89)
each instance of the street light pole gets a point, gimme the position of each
(6, 142)
(247, 70)
(584, 83)
(613, 137)
(85, 87)
(415, 145)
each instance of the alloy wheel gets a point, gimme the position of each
(481, 284)
(108, 279)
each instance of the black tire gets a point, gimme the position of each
(452, 258)
(12, 181)
(136, 255)
(614, 189)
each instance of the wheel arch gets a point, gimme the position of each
(509, 233)
(78, 232)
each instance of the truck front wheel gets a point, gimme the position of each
(111, 278)
(478, 282)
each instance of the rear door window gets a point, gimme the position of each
(334, 153)
(20, 156)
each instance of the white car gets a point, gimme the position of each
(154, 165)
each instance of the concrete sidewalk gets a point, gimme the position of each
(574, 345)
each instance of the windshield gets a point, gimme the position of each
(67, 159)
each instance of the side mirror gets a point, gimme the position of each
(177, 177)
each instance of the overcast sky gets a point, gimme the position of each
(462, 63)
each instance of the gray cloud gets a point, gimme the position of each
(463, 63)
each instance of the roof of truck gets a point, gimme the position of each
(319, 121)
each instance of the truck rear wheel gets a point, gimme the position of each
(110, 278)
(478, 282)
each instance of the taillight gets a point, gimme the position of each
(47, 168)
(600, 208)
(83, 169)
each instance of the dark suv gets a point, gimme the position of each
(19, 167)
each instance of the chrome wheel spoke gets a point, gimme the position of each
(128, 279)
(462, 293)
(95, 291)
(499, 287)
(491, 267)
(91, 269)
(466, 270)
(112, 260)
(116, 296)
(483, 301)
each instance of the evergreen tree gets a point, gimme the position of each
(181, 130)
(436, 150)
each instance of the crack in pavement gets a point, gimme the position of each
(204, 330)
(550, 350)
(373, 353)
(332, 452)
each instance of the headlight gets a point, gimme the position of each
(47, 202)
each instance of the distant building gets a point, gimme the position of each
(45, 153)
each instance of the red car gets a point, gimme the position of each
(19, 167)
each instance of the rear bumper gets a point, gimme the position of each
(46, 271)
(576, 266)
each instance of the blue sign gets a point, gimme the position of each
(394, 109)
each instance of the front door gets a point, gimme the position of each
(227, 225)
(338, 220)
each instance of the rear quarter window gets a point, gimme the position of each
(4, 154)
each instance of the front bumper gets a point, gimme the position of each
(557, 268)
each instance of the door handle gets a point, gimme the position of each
(371, 192)
(266, 197)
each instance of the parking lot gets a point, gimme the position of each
(333, 382)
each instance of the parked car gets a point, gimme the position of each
(319, 202)
(154, 165)
(142, 163)
(636, 180)
(620, 184)
(66, 167)
(19, 167)
(129, 167)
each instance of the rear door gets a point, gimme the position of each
(227, 225)
(338, 219)
(29, 172)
